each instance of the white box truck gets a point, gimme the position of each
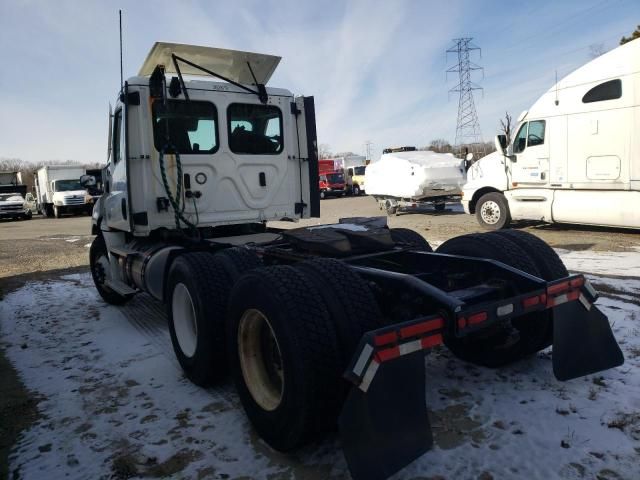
(575, 157)
(58, 190)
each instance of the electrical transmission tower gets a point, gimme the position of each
(467, 129)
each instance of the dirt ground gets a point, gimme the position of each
(42, 249)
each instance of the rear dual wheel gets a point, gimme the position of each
(291, 333)
(515, 339)
(197, 296)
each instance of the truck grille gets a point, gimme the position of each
(73, 200)
(11, 208)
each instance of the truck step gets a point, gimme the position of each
(122, 251)
(120, 288)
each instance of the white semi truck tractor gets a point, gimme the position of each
(575, 155)
(320, 327)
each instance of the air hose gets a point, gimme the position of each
(175, 201)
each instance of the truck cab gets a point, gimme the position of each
(575, 154)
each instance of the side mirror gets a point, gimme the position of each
(157, 83)
(510, 152)
(469, 157)
(87, 181)
(500, 142)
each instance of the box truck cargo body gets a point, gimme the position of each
(575, 155)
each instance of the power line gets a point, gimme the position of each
(467, 126)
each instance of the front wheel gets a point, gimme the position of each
(28, 215)
(323, 195)
(100, 267)
(57, 211)
(492, 211)
(356, 190)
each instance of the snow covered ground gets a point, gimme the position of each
(115, 403)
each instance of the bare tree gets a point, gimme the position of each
(440, 145)
(324, 151)
(596, 49)
(506, 126)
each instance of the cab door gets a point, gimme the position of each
(530, 160)
(115, 202)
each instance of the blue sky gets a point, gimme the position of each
(376, 68)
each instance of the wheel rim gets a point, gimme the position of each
(260, 360)
(490, 212)
(184, 320)
(100, 269)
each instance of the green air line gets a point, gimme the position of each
(175, 202)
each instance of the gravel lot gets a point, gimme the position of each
(44, 244)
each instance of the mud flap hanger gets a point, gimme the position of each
(384, 423)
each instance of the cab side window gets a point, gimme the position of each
(117, 128)
(536, 133)
(610, 90)
(520, 142)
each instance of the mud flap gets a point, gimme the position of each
(583, 342)
(386, 428)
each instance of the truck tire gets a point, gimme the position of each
(28, 215)
(239, 260)
(57, 211)
(351, 304)
(392, 208)
(492, 211)
(549, 264)
(510, 341)
(197, 295)
(284, 356)
(439, 207)
(356, 190)
(99, 262)
(546, 259)
(323, 195)
(406, 235)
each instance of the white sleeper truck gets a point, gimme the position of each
(320, 327)
(575, 156)
(59, 191)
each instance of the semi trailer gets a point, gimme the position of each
(324, 327)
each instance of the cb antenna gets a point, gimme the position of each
(121, 77)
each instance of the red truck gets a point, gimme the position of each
(331, 177)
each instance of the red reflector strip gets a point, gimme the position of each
(387, 354)
(477, 318)
(431, 341)
(385, 338)
(462, 322)
(420, 328)
(577, 282)
(531, 301)
(560, 287)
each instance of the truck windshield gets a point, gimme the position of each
(359, 170)
(67, 185)
(335, 177)
(10, 197)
